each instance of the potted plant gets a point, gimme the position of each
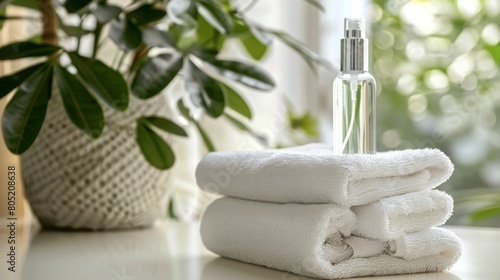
(95, 136)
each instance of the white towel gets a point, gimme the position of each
(391, 217)
(312, 174)
(313, 240)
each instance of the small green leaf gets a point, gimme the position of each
(24, 115)
(156, 151)
(81, 107)
(204, 136)
(485, 213)
(146, 13)
(184, 110)
(495, 52)
(207, 36)
(104, 13)
(29, 4)
(254, 47)
(72, 30)
(104, 82)
(13, 81)
(205, 53)
(302, 50)
(237, 103)
(317, 4)
(155, 74)
(156, 38)
(26, 49)
(171, 209)
(246, 74)
(204, 91)
(166, 125)
(125, 34)
(215, 15)
(263, 37)
(73, 6)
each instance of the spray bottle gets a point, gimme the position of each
(354, 94)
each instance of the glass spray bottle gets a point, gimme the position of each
(354, 94)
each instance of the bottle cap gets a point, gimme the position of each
(354, 28)
(354, 46)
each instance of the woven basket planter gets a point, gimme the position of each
(75, 182)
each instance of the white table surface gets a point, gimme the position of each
(173, 251)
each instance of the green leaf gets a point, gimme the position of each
(146, 13)
(485, 213)
(495, 52)
(166, 125)
(157, 38)
(73, 6)
(26, 49)
(302, 50)
(246, 74)
(24, 115)
(254, 47)
(215, 15)
(184, 110)
(177, 12)
(237, 103)
(103, 81)
(30, 4)
(104, 13)
(14, 80)
(204, 136)
(305, 122)
(81, 107)
(205, 53)
(263, 37)
(72, 30)
(155, 74)
(171, 209)
(156, 151)
(3, 12)
(207, 36)
(317, 4)
(125, 34)
(204, 91)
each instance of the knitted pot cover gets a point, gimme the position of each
(73, 181)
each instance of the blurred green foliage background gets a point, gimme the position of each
(437, 66)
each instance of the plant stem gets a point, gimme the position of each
(49, 22)
(97, 35)
(138, 55)
(120, 62)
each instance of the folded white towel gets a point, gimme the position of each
(391, 217)
(313, 240)
(312, 174)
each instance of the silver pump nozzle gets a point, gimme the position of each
(354, 46)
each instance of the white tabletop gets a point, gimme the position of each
(174, 251)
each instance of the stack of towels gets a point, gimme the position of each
(309, 212)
